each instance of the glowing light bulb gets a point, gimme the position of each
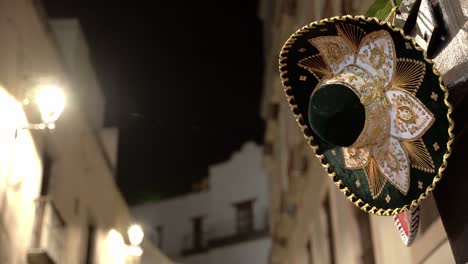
(117, 247)
(51, 126)
(50, 100)
(135, 235)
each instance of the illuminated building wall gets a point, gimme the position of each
(58, 198)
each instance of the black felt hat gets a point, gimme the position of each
(373, 108)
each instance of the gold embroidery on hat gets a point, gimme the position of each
(386, 86)
(351, 34)
(336, 52)
(412, 118)
(377, 56)
(376, 125)
(375, 92)
(355, 158)
(409, 74)
(316, 65)
(375, 178)
(419, 155)
(393, 161)
(406, 115)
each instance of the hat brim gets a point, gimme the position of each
(407, 224)
(300, 83)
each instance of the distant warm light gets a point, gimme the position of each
(135, 235)
(117, 247)
(50, 100)
(134, 251)
(119, 250)
(115, 238)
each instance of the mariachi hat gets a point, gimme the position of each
(373, 108)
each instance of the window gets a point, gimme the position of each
(310, 257)
(292, 172)
(305, 165)
(197, 223)
(274, 111)
(268, 148)
(158, 237)
(244, 217)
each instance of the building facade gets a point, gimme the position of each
(311, 221)
(59, 202)
(226, 221)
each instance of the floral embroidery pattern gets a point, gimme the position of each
(391, 140)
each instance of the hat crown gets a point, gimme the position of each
(350, 110)
(336, 114)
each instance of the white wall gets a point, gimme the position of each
(20, 178)
(175, 216)
(110, 142)
(241, 178)
(74, 50)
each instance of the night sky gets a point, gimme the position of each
(182, 81)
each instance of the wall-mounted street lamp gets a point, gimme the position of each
(135, 236)
(117, 242)
(44, 104)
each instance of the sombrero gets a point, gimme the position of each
(373, 108)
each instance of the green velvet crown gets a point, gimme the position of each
(332, 107)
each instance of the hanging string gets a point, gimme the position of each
(392, 13)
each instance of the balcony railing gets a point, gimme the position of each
(48, 234)
(224, 233)
(192, 244)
